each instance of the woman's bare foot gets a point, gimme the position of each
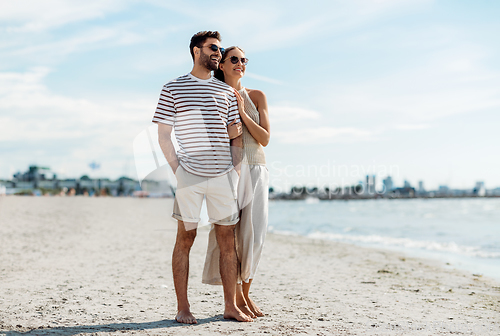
(185, 316)
(246, 310)
(253, 307)
(237, 314)
(241, 303)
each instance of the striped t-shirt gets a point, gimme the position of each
(199, 110)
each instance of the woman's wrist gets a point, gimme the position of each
(243, 114)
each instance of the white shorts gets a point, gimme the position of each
(220, 194)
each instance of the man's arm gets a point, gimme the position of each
(237, 153)
(236, 143)
(166, 145)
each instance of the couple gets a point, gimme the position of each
(221, 160)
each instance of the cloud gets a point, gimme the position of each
(92, 38)
(38, 124)
(45, 33)
(411, 127)
(283, 113)
(263, 78)
(25, 95)
(322, 135)
(423, 95)
(451, 80)
(262, 26)
(26, 16)
(269, 25)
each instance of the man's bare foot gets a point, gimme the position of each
(253, 307)
(237, 314)
(185, 316)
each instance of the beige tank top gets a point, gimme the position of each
(253, 153)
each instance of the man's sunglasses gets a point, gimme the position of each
(214, 47)
(236, 59)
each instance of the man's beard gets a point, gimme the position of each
(206, 62)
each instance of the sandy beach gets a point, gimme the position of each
(101, 266)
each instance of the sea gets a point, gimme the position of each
(462, 232)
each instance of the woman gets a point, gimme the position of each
(254, 181)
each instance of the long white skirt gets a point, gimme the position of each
(253, 194)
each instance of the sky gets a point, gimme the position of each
(408, 88)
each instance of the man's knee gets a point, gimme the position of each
(186, 237)
(225, 235)
(224, 230)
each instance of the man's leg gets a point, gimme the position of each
(180, 270)
(228, 271)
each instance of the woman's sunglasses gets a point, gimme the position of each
(236, 59)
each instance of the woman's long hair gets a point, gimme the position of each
(218, 73)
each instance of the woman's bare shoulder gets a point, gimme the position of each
(257, 96)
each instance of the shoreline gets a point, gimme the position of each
(80, 265)
(458, 262)
(380, 197)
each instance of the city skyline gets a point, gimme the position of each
(409, 84)
(372, 185)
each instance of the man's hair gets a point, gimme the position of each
(200, 37)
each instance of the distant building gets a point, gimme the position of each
(370, 185)
(443, 190)
(388, 184)
(479, 189)
(495, 192)
(405, 192)
(33, 175)
(421, 189)
(407, 184)
(33, 179)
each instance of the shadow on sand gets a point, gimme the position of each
(112, 327)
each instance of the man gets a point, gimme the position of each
(200, 107)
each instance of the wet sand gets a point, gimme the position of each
(101, 266)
